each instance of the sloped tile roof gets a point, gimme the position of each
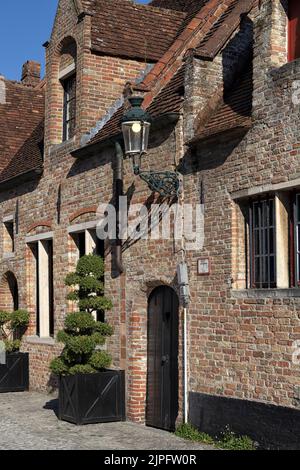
(218, 35)
(169, 100)
(187, 40)
(190, 7)
(125, 29)
(235, 111)
(169, 97)
(111, 128)
(28, 158)
(21, 114)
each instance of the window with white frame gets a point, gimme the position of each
(270, 239)
(295, 262)
(43, 285)
(86, 242)
(262, 243)
(69, 112)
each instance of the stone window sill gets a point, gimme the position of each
(265, 293)
(62, 145)
(38, 340)
(8, 255)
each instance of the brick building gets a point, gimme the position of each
(221, 81)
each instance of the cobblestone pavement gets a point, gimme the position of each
(28, 421)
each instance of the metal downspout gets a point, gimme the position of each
(119, 192)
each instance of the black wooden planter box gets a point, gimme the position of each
(14, 375)
(92, 398)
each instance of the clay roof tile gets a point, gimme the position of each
(21, 113)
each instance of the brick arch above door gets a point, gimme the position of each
(149, 284)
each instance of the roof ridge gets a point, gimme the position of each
(180, 46)
(144, 6)
(232, 18)
(129, 30)
(25, 86)
(163, 72)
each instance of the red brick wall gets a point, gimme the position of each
(238, 346)
(100, 80)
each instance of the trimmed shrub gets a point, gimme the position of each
(12, 327)
(82, 334)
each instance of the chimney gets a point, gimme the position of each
(31, 73)
(270, 51)
(2, 90)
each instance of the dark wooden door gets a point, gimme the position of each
(162, 379)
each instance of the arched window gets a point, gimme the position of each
(67, 78)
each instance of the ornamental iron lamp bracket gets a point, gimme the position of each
(165, 183)
(136, 125)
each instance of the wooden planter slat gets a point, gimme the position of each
(14, 375)
(92, 398)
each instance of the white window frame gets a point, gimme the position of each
(43, 308)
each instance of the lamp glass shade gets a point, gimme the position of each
(136, 136)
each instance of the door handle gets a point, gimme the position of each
(165, 359)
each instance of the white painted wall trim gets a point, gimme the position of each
(39, 237)
(257, 190)
(82, 227)
(8, 256)
(37, 340)
(66, 71)
(8, 218)
(282, 241)
(43, 270)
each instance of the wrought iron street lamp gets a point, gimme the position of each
(136, 125)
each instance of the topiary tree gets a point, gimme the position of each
(12, 328)
(82, 334)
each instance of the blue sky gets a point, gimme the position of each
(24, 26)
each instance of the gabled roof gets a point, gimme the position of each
(125, 29)
(169, 100)
(29, 157)
(218, 35)
(234, 111)
(190, 7)
(165, 82)
(21, 113)
(188, 39)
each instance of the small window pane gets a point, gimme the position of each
(262, 239)
(69, 123)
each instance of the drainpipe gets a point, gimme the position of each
(119, 192)
(180, 150)
(185, 364)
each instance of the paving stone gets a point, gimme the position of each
(28, 421)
